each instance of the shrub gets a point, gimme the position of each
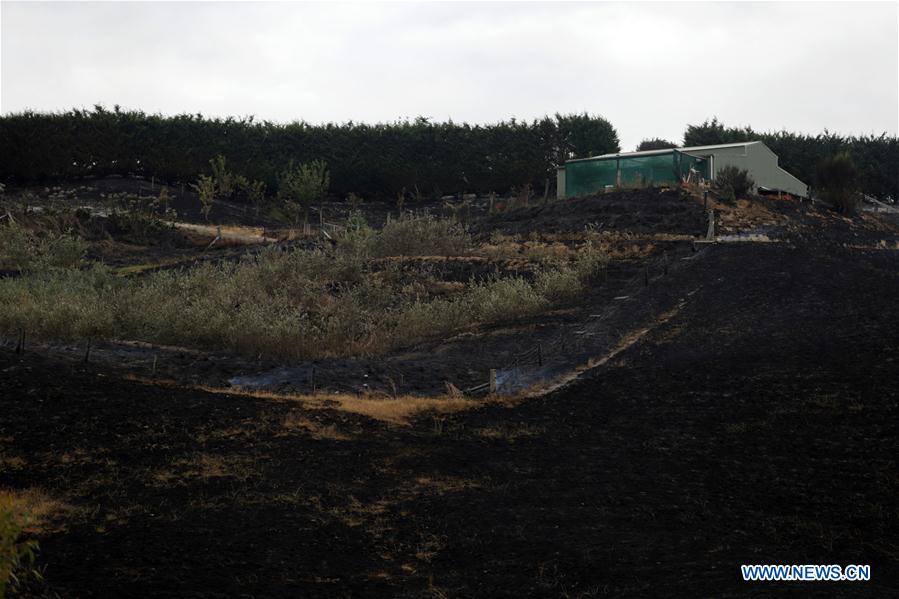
(837, 179)
(62, 251)
(297, 304)
(136, 227)
(419, 237)
(733, 182)
(354, 238)
(16, 251)
(560, 285)
(22, 251)
(255, 191)
(301, 186)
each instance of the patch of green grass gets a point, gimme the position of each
(296, 305)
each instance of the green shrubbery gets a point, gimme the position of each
(376, 160)
(16, 555)
(837, 182)
(302, 185)
(733, 183)
(419, 237)
(297, 304)
(20, 250)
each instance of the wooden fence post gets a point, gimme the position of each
(493, 380)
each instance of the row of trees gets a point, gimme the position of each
(422, 156)
(875, 158)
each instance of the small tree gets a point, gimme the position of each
(224, 180)
(205, 188)
(301, 186)
(256, 194)
(400, 202)
(355, 201)
(163, 199)
(837, 178)
(733, 182)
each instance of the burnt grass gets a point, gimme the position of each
(755, 421)
(635, 211)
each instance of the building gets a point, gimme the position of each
(671, 166)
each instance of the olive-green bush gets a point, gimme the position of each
(297, 304)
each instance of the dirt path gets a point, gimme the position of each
(248, 235)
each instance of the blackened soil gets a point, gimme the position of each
(634, 211)
(757, 423)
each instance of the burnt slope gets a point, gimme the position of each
(757, 424)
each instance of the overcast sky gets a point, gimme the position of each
(650, 68)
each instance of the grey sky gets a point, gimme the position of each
(650, 68)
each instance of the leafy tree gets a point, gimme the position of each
(224, 180)
(655, 144)
(303, 185)
(837, 182)
(205, 188)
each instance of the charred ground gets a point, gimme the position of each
(741, 408)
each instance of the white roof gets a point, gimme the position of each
(666, 150)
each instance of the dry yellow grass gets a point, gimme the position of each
(11, 463)
(419, 259)
(231, 233)
(206, 466)
(399, 410)
(510, 433)
(296, 422)
(744, 214)
(442, 485)
(38, 511)
(392, 410)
